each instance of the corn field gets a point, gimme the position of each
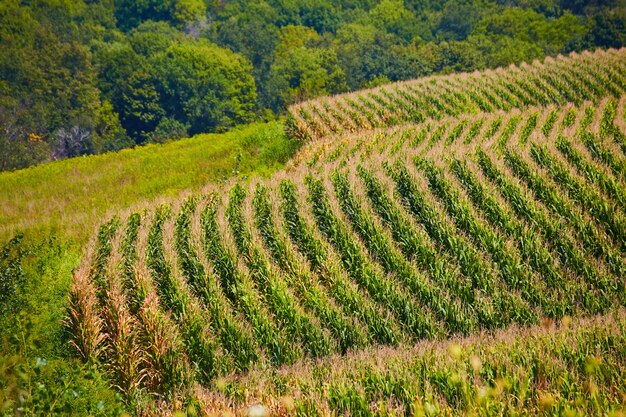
(566, 79)
(455, 245)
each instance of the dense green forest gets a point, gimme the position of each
(90, 76)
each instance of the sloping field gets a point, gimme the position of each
(446, 228)
(71, 197)
(566, 79)
(566, 368)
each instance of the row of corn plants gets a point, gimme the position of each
(509, 129)
(607, 120)
(104, 246)
(343, 328)
(277, 294)
(554, 233)
(380, 328)
(130, 280)
(359, 266)
(455, 133)
(234, 338)
(506, 308)
(241, 292)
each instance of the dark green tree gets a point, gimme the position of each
(204, 86)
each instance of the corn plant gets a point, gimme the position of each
(380, 328)
(532, 248)
(594, 175)
(359, 267)
(607, 119)
(313, 297)
(554, 233)
(391, 261)
(413, 246)
(493, 127)
(200, 345)
(135, 291)
(106, 232)
(455, 133)
(529, 127)
(470, 261)
(474, 130)
(588, 199)
(83, 320)
(168, 370)
(241, 295)
(509, 130)
(274, 289)
(510, 267)
(600, 153)
(123, 357)
(549, 123)
(232, 336)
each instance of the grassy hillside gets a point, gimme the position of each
(448, 227)
(72, 196)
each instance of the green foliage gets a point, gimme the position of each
(89, 77)
(484, 220)
(36, 386)
(207, 87)
(179, 12)
(38, 374)
(11, 276)
(91, 186)
(299, 72)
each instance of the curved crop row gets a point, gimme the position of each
(571, 79)
(411, 234)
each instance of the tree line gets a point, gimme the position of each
(90, 76)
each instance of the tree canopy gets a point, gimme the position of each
(93, 76)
